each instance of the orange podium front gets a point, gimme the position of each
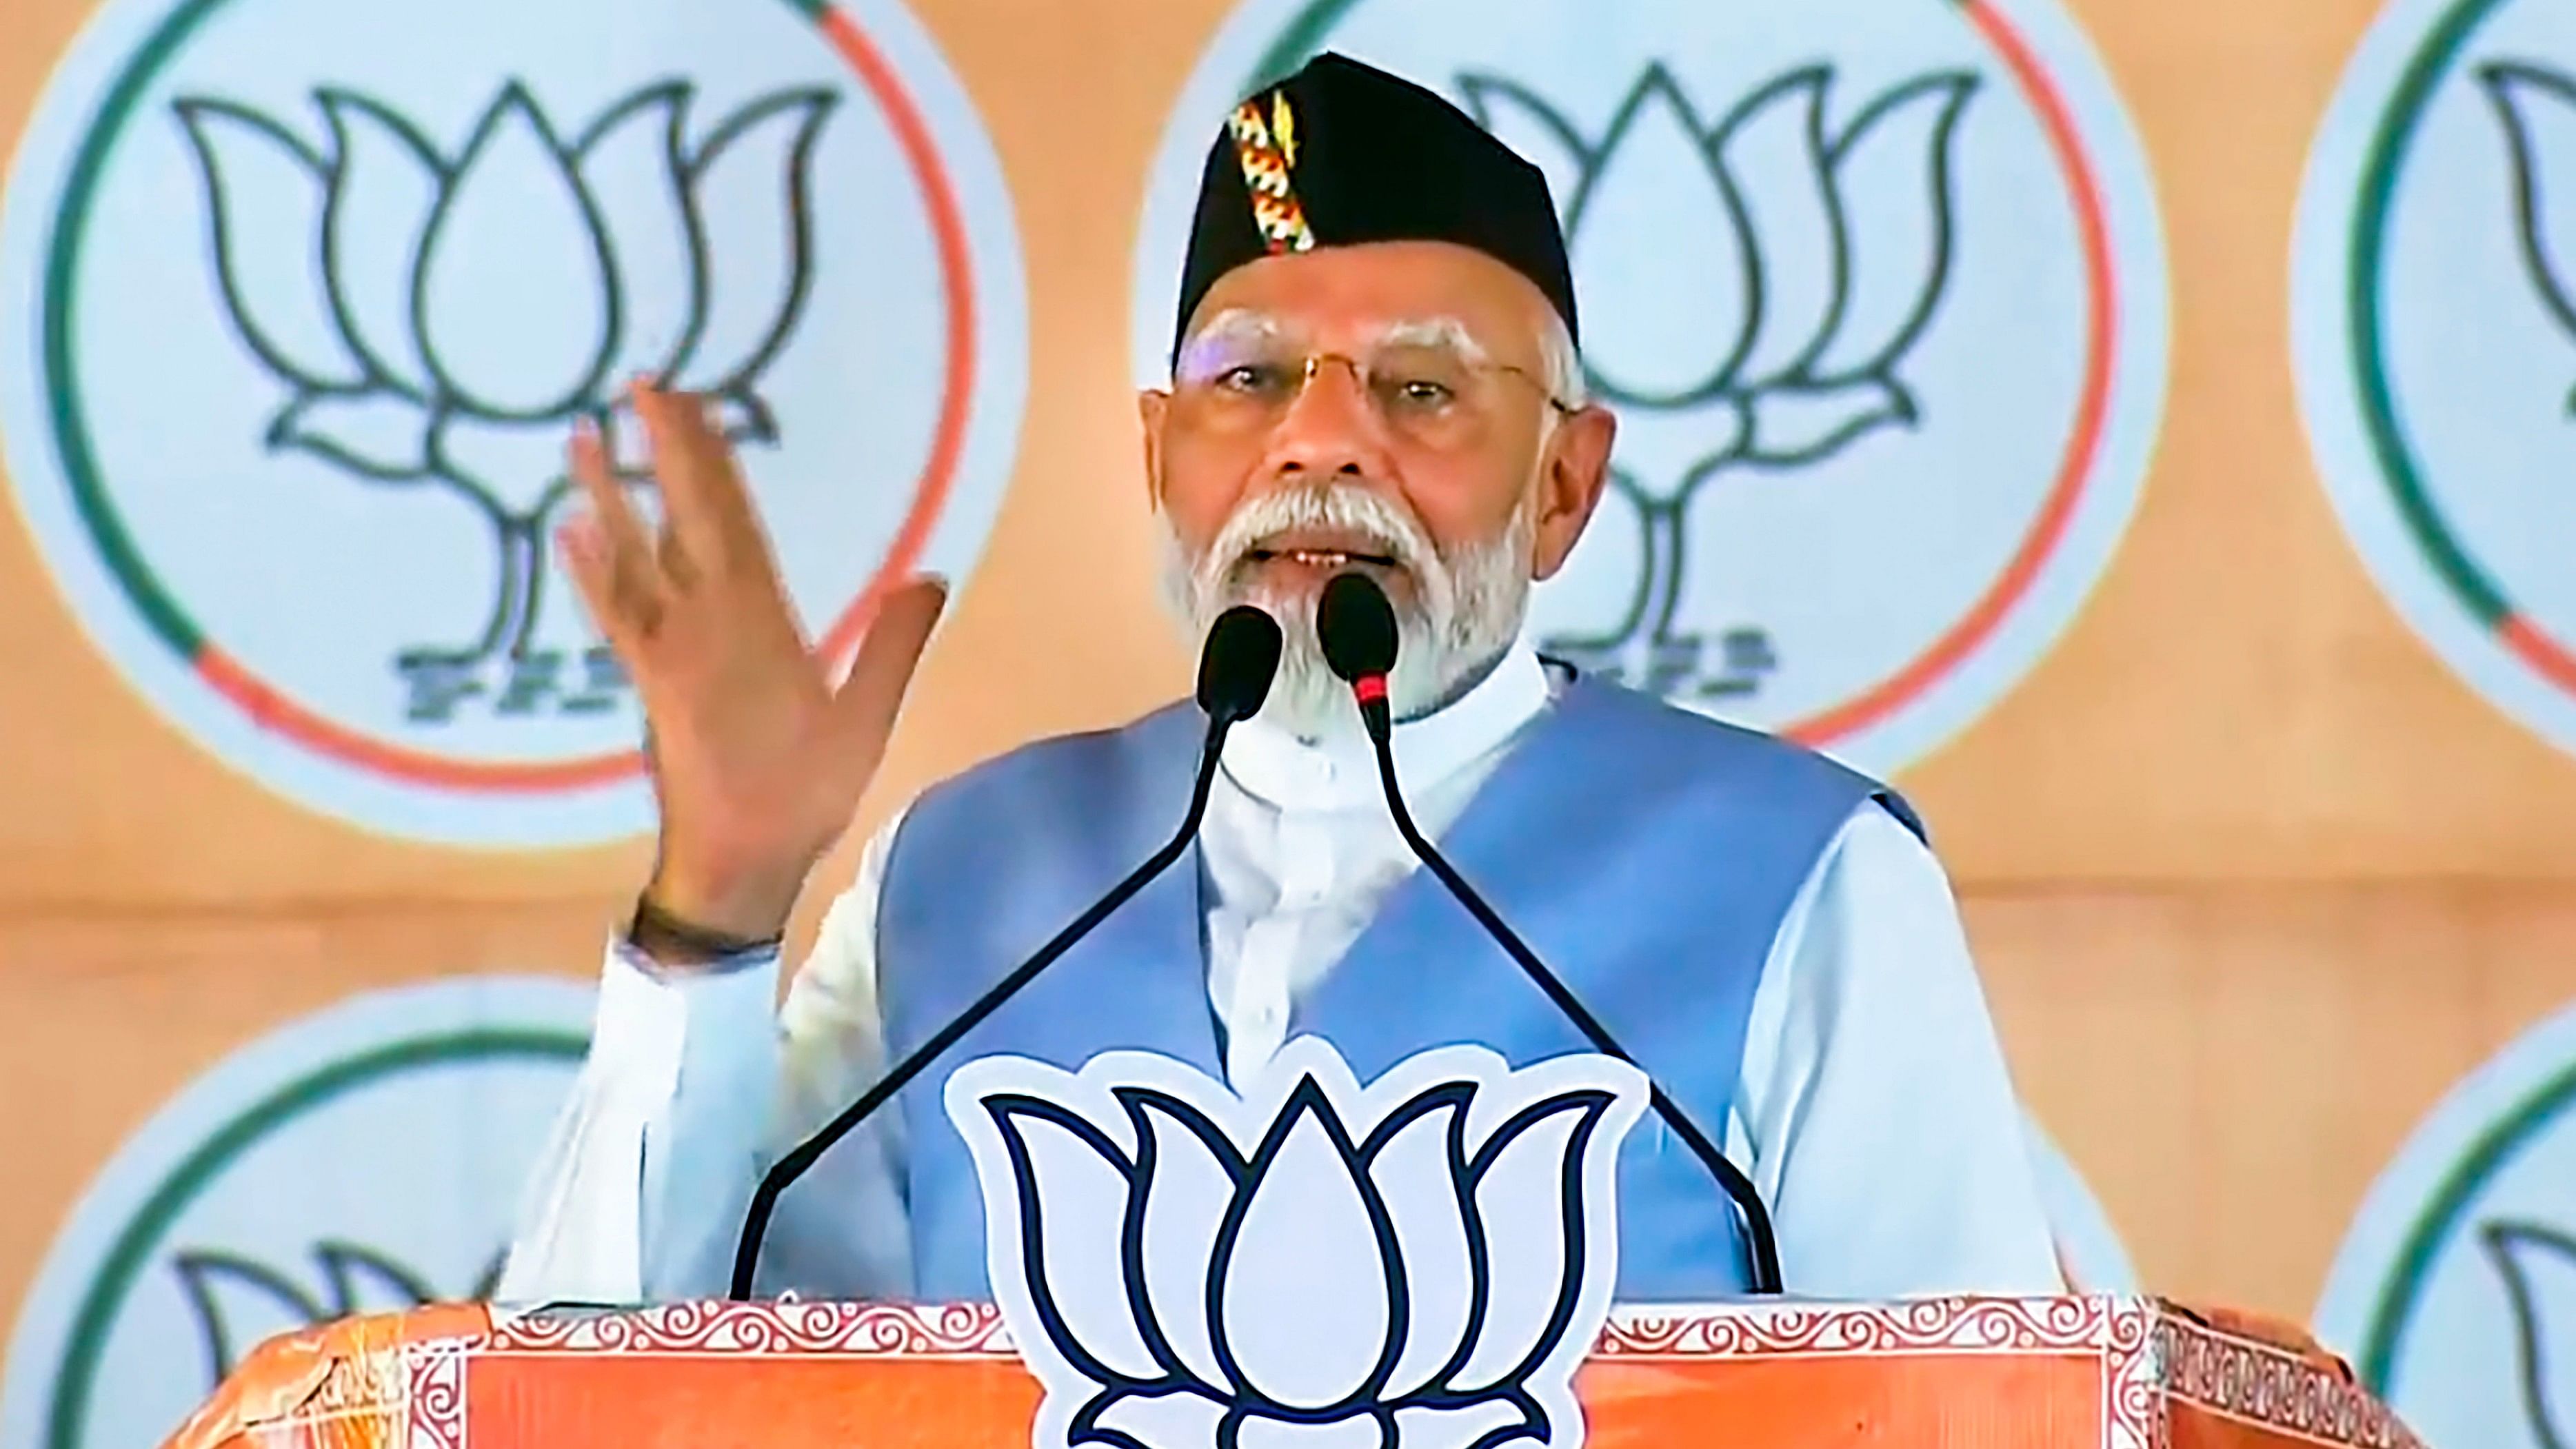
(1975, 1373)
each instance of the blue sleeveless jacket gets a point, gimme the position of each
(1646, 853)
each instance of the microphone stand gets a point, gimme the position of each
(764, 1199)
(1762, 1247)
(1357, 629)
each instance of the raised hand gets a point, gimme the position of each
(758, 760)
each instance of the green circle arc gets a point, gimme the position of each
(68, 1413)
(2381, 168)
(70, 432)
(2441, 1219)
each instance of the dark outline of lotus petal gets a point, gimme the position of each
(197, 1266)
(1812, 79)
(1657, 77)
(1593, 1103)
(679, 93)
(818, 104)
(454, 396)
(210, 171)
(516, 543)
(1131, 1238)
(1308, 1097)
(332, 100)
(336, 1258)
(1241, 1403)
(2498, 77)
(1084, 1426)
(489, 1282)
(1962, 85)
(339, 1256)
(1458, 1096)
(1477, 85)
(307, 387)
(2494, 1235)
(1438, 1395)
(1003, 1107)
(1901, 408)
(1229, 1428)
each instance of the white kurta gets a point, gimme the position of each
(1873, 1109)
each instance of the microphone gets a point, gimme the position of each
(1356, 627)
(1235, 668)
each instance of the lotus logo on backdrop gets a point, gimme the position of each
(1783, 326)
(239, 1300)
(317, 292)
(2454, 1292)
(2434, 322)
(1423, 1261)
(1876, 290)
(367, 1158)
(399, 370)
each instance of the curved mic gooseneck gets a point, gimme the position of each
(1358, 633)
(1235, 669)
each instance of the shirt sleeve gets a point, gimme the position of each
(1874, 1110)
(695, 1082)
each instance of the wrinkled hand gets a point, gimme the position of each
(758, 761)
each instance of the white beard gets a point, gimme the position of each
(1464, 611)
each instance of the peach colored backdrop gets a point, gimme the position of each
(2253, 878)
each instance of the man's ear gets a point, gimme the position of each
(1572, 471)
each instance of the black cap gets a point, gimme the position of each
(1343, 153)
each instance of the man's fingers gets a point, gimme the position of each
(587, 555)
(597, 477)
(707, 510)
(631, 586)
(869, 697)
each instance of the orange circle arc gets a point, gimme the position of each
(2083, 449)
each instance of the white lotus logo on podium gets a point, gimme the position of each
(1417, 1264)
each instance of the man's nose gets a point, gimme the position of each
(1329, 429)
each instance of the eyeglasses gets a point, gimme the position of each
(1433, 394)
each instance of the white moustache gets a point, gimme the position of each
(1457, 617)
(1340, 508)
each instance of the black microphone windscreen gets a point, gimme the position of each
(1236, 664)
(1356, 626)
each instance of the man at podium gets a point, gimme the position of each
(1374, 370)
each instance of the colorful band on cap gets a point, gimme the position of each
(1267, 151)
(1342, 154)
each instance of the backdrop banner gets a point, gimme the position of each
(2138, 429)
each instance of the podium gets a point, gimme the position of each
(1974, 1373)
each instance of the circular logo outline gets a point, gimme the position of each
(2372, 476)
(2110, 450)
(2387, 1253)
(347, 771)
(91, 1264)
